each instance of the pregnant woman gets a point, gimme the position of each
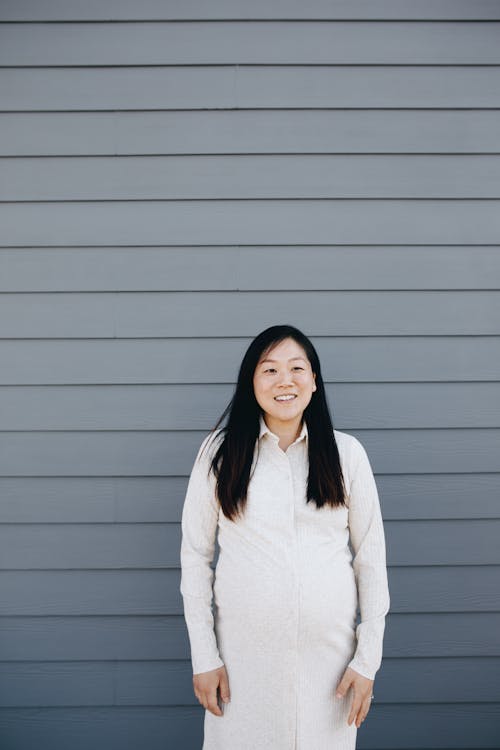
(279, 663)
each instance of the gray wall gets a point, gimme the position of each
(174, 177)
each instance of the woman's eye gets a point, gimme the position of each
(273, 369)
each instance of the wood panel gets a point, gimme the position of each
(312, 131)
(84, 727)
(52, 638)
(61, 500)
(252, 86)
(135, 637)
(390, 727)
(251, 222)
(145, 546)
(164, 683)
(416, 589)
(110, 10)
(250, 42)
(164, 453)
(200, 314)
(344, 359)
(240, 177)
(236, 268)
(180, 406)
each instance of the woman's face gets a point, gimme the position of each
(284, 370)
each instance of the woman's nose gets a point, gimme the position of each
(285, 379)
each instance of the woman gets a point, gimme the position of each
(280, 663)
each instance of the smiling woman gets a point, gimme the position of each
(283, 386)
(280, 663)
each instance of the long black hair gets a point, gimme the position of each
(232, 461)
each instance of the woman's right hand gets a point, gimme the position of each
(205, 686)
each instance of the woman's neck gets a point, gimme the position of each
(287, 431)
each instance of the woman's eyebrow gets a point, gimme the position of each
(273, 360)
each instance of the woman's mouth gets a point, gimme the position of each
(285, 399)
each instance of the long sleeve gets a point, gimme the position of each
(369, 564)
(199, 527)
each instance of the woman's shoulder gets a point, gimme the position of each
(350, 448)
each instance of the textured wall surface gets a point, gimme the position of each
(175, 177)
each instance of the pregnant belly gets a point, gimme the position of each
(328, 602)
(317, 595)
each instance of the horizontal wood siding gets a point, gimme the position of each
(136, 726)
(145, 683)
(155, 545)
(229, 42)
(417, 589)
(249, 178)
(175, 177)
(238, 131)
(201, 87)
(127, 407)
(193, 10)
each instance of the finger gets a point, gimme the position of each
(225, 693)
(355, 706)
(359, 720)
(202, 698)
(363, 712)
(343, 685)
(213, 706)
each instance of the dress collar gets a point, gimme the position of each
(265, 429)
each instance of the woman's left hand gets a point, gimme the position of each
(362, 694)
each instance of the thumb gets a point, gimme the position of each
(224, 687)
(343, 685)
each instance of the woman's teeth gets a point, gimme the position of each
(284, 398)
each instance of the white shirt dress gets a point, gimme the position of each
(285, 594)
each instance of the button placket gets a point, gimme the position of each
(296, 586)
